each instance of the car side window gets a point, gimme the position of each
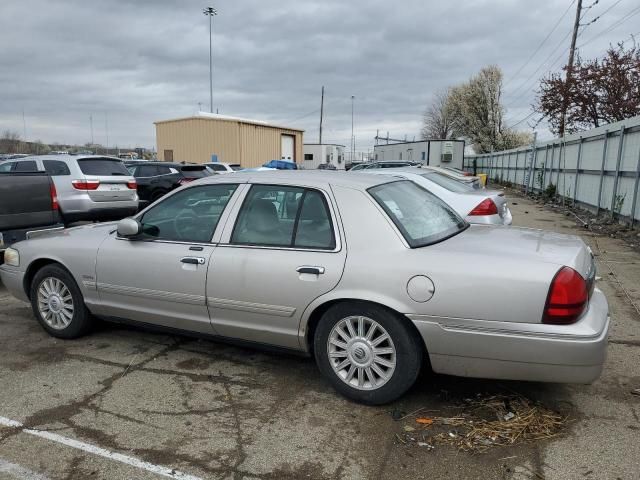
(190, 215)
(27, 166)
(147, 171)
(7, 166)
(56, 168)
(282, 216)
(162, 170)
(217, 168)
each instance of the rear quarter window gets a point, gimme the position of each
(102, 167)
(56, 168)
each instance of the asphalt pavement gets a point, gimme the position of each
(126, 403)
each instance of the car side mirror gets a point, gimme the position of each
(129, 227)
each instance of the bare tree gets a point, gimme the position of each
(602, 91)
(10, 141)
(437, 121)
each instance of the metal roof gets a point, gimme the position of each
(227, 118)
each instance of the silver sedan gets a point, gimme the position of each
(487, 207)
(368, 273)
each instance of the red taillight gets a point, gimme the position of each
(185, 180)
(486, 207)
(132, 184)
(54, 197)
(567, 298)
(86, 184)
(466, 174)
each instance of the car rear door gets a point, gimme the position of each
(112, 178)
(282, 251)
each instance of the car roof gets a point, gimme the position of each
(312, 178)
(65, 157)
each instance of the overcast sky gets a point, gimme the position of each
(132, 62)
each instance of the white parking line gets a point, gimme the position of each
(87, 447)
(17, 471)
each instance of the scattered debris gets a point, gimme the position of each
(635, 391)
(486, 421)
(408, 428)
(424, 421)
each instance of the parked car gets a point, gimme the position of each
(281, 165)
(221, 167)
(90, 187)
(471, 180)
(262, 257)
(154, 179)
(327, 166)
(28, 207)
(374, 165)
(475, 206)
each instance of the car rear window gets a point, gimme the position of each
(103, 167)
(235, 167)
(449, 183)
(421, 217)
(195, 171)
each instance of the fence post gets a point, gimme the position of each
(635, 191)
(561, 155)
(616, 178)
(550, 166)
(532, 168)
(604, 159)
(575, 180)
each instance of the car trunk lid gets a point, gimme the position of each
(112, 178)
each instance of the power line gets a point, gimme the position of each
(615, 25)
(303, 116)
(541, 43)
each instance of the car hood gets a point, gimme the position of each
(90, 235)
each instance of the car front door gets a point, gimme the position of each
(159, 277)
(283, 251)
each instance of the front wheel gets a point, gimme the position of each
(368, 353)
(57, 303)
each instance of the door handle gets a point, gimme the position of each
(310, 269)
(193, 260)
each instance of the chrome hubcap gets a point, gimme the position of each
(361, 353)
(55, 303)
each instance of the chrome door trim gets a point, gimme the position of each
(152, 294)
(263, 308)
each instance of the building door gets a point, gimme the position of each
(287, 148)
(168, 155)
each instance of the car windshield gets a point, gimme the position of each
(103, 166)
(421, 217)
(449, 183)
(196, 171)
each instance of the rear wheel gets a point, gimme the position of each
(368, 353)
(58, 304)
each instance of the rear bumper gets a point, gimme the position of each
(102, 211)
(518, 351)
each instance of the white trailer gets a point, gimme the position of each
(316, 154)
(435, 153)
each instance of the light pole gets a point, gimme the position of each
(353, 140)
(210, 12)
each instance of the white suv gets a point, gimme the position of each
(89, 187)
(220, 167)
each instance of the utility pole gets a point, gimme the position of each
(353, 139)
(321, 112)
(567, 83)
(106, 130)
(210, 12)
(91, 125)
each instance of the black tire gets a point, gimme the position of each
(81, 320)
(406, 342)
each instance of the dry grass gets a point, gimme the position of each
(496, 420)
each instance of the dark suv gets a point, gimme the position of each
(156, 179)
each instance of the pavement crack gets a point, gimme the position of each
(241, 455)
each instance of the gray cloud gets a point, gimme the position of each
(139, 61)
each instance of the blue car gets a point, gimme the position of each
(281, 165)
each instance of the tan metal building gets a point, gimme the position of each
(206, 137)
